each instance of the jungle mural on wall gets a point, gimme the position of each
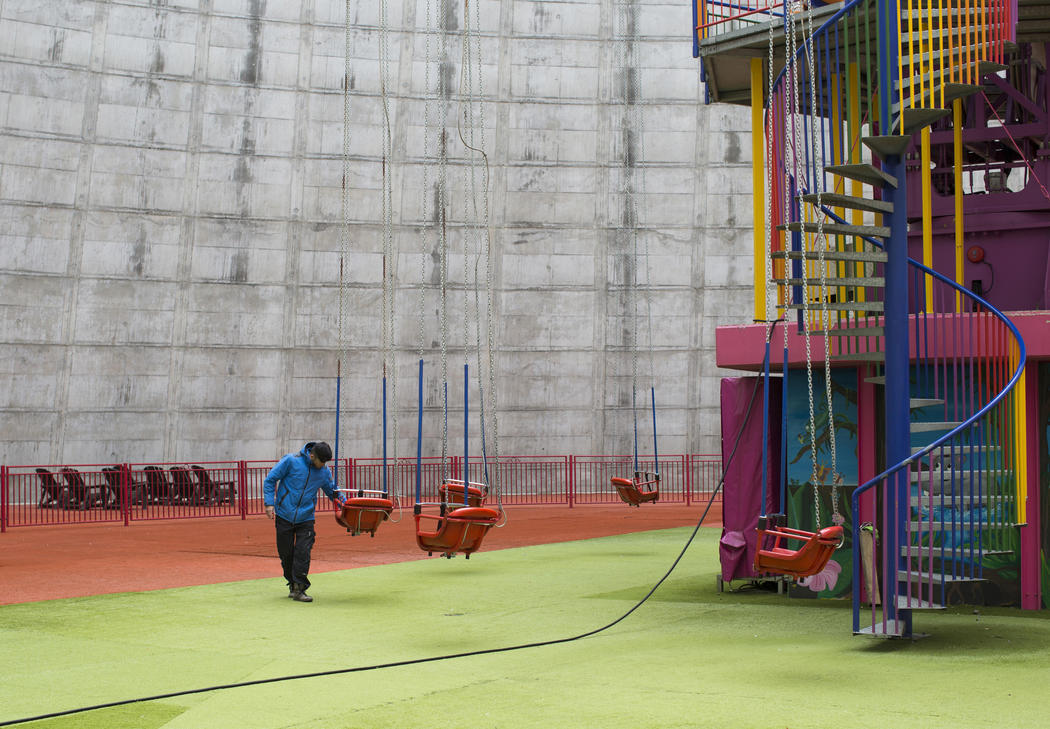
(1001, 583)
(803, 502)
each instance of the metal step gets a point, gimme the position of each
(869, 231)
(869, 331)
(860, 357)
(936, 578)
(866, 173)
(867, 306)
(973, 68)
(977, 50)
(884, 629)
(914, 120)
(905, 602)
(950, 453)
(958, 500)
(957, 475)
(859, 256)
(888, 145)
(923, 402)
(829, 282)
(925, 96)
(931, 427)
(951, 555)
(835, 199)
(876, 380)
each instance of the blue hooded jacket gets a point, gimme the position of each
(296, 493)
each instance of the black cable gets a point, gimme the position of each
(432, 659)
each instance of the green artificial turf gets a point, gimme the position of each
(690, 657)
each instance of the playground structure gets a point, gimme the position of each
(901, 158)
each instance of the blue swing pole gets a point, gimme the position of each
(466, 434)
(385, 492)
(419, 438)
(765, 428)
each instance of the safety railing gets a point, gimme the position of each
(938, 517)
(719, 17)
(49, 494)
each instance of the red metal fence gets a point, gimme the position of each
(96, 493)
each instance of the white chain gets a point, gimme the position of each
(344, 237)
(822, 244)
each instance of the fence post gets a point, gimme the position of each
(125, 492)
(3, 499)
(572, 480)
(688, 479)
(242, 488)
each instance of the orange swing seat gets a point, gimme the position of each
(638, 490)
(807, 560)
(459, 531)
(451, 492)
(361, 514)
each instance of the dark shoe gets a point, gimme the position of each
(298, 594)
(292, 590)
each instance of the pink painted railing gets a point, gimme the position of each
(40, 495)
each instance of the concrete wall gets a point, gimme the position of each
(170, 227)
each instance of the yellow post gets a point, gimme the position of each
(957, 154)
(1020, 394)
(927, 215)
(758, 197)
(853, 133)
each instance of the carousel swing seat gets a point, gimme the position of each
(809, 559)
(451, 491)
(641, 489)
(459, 531)
(364, 514)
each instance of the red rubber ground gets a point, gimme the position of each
(43, 563)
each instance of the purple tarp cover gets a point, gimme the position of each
(742, 490)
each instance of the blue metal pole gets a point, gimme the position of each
(466, 433)
(765, 430)
(385, 491)
(782, 476)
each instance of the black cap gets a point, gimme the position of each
(323, 451)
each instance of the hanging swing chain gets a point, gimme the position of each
(481, 225)
(344, 237)
(768, 182)
(424, 214)
(389, 252)
(798, 175)
(442, 221)
(822, 247)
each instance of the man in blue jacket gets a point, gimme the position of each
(289, 492)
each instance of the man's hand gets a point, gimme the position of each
(269, 512)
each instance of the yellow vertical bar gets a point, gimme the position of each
(853, 134)
(927, 215)
(900, 61)
(1020, 439)
(836, 158)
(758, 179)
(957, 154)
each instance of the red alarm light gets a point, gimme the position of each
(974, 254)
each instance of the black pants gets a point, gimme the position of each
(294, 544)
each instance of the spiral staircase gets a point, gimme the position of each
(859, 86)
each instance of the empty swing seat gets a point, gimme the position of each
(362, 514)
(637, 491)
(452, 492)
(460, 531)
(809, 559)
